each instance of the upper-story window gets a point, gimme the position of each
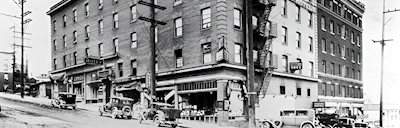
(101, 49)
(75, 34)
(87, 52)
(330, 4)
(120, 69)
(285, 66)
(133, 13)
(101, 26)
(298, 39)
(238, 53)
(75, 57)
(206, 17)
(352, 56)
(75, 16)
(100, 4)
(156, 34)
(179, 58)
(115, 1)
(311, 64)
(323, 66)
(284, 7)
(323, 45)
(87, 9)
(310, 18)
(55, 64)
(310, 44)
(87, 31)
(323, 25)
(284, 35)
(332, 27)
(343, 33)
(65, 61)
(133, 68)
(206, 53)
(65, 41)
(358, 58)
(54, 44)
(298, 11)
(134, 40)
(333, 48)
(358, 40)
(54, 25)
(116, 45)
(352, 37)
(65, 20)
(237, 18)
(178, 27)
(115, 18)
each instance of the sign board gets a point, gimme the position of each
(318, 104)
(148, 80)
(104, 73)
(296, 65)
(79, 77)
(305, 4)
(93, 61)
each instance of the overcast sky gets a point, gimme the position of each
(39, 55)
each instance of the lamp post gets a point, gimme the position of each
(382, 55)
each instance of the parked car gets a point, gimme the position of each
(345, 122)
(361, 125)
(161, 113)
(118, 107)
(303, 118)
(65, 100)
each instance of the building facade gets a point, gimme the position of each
(391, 115)
(340, 55)
(200, 60)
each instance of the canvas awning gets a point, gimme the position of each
(129, 86)
(57, 77)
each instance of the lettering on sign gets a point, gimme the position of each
(318, 104)
(305, 4)
(296, 65)
(77, 78)
(93, 61)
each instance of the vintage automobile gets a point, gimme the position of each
(161, 113)
(64, 100)
(303, 118)
(118, 107)
(361, 125)
(344, 122)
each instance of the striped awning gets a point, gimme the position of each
(129, 86)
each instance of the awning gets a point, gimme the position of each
(57, 77)
(130, 86)
(96, 82)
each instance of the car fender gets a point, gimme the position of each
(305, 122)
(272, 123)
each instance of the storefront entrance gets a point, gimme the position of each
(197, 105)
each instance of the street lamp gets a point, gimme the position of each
(382, 54)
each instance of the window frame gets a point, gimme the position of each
(134, 40)
(101, 49)
(284, 35)
(206, 18)
(115, 21)
(116, 45)
(178, 28)
(207, 53)
(237, 54)
(179, 58)
(101, 26)
(133, 13)
(238, 19)
(285, 62)
(311, 44)
(87, 10)
(298, 13)
(284, 8)
(298, 40)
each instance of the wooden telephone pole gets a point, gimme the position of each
(250, 65)
(154, 23)
(23, 22)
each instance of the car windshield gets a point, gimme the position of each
(301, 113)
(288, 113)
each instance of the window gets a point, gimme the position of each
(282, 90)
(331, 27)
(116, 46)
(343, 49)
(298, 39)
(100, 4)
(332, 48)
(54, 25)
(115, 1)
(65, 61)
(323, 45)
(177, 2)
(285, 63)
(133, 68)
(339, 49)
(352, 56)
(300, 70)
(358, 40)
(308, 92)
(156, 64)
(347, 71)
(55, 64)
(237, 18)
(75, 55)
(75, 16)
(115, 18)
(207, 53)
(65, 21)
(330, 4)
(311, 69)
(156, 34)
(133, 40)
(284, 7)
(75, 34)
(332, 67)
(6, 77)
(310, 44)
(101, 49)
(55, 45)
(101, 26)
(178, 27)
(298, 13)
(255, 55)
(358, 58)
(120, 69)
(346, 33)
(87, 9)
(179, 58)
(284, 35)
(133, 13)
(298, 91)
(323, 26)
(359, 75)
(339, 70)
(322, 89)
(206, 17)
(310, 18)
(324, 66)
(87, 32)
(238, 53)
(65, 41)
(352, 37)
(87, 52)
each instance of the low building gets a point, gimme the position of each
(391, 115)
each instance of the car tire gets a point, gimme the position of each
(157, 121)
(113, 114)
(74, 108)
(307, 125)
(174, 125)
(265, 125)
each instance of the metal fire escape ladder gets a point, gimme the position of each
(267, 69)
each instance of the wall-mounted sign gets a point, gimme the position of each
(148, 80)
(78, 78)
(296, 65)
(222, 55)
(93, 61)
(318, 104)
(305, 4)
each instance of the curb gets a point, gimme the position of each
(33, 103)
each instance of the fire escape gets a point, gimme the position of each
(264, 31)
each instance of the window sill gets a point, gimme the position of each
(353, 61)
(178, 36)
(353, 42)
(358, 45)
(237, 29)
(86, 38)
(298, 48)
(205, 29)
(298, 21)
(311, 52)
(87, 16)
(310, 26)
(115, 29)
(344, 58)
(283, 15)
(285, 43)
(133, 20)
(333, 54)
(343, 38)
(324, 52)
(332, 33)
(359, 63)
(323, 29)
(177, 3)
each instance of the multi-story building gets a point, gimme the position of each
(6, 74)
(200, 60)
(340, 55)
(391, 115)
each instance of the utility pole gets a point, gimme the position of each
(382, 56)
(23, 14)
(14, 64)
(250, 65)
(152, 41)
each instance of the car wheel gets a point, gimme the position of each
(307, 125)
(174, 125)
(113, 114)
(157, 121)
(265, 125)
(74, 108)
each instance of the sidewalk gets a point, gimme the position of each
(93, 108)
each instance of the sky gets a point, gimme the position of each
(39, 55)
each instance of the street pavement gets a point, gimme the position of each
(23, 114)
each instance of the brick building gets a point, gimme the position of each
(340, 55)
(200, 53)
